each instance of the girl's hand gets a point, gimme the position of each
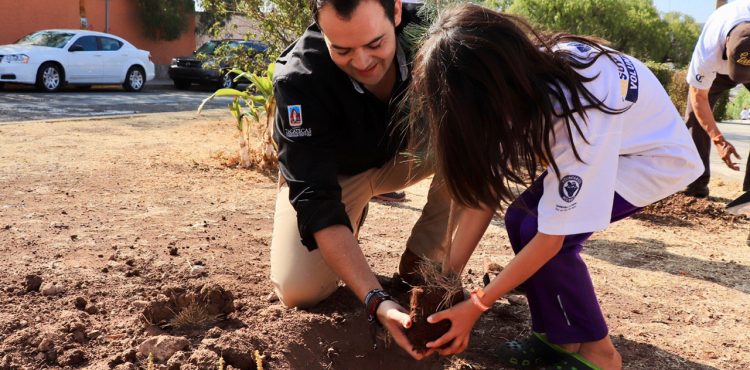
(462, 316)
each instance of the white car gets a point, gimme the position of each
(50, 59)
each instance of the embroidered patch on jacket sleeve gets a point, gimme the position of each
(295, 115)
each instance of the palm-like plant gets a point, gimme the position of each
(252, 107)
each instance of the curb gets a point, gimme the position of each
(100, 118)
(737, 122)
(91, 118)
(159, 85)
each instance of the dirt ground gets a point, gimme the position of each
(117, 219)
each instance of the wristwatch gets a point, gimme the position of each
(373, 299)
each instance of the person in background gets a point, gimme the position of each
(721, 61)
(745, 114)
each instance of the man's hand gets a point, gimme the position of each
(699, 101)
(462, 316)
(726, 150)
(395, 319)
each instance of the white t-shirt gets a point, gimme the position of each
(708, 56)
(745, 114)
(644, 154)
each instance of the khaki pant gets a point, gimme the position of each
(301, 278)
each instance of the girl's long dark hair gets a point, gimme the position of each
(489, 89)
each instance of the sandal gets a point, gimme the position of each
(572, 361)
(531, 352)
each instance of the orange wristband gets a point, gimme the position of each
(475, 298)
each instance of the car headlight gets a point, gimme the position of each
(174, 61)
(16, 58)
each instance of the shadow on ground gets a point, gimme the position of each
(652, 255)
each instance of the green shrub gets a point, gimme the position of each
(165, 19)
(673, 82)
(720, 108)
(741, 100)
(663, 72)
(678, 90)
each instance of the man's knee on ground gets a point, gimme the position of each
(302, 293)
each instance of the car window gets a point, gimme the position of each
(255, 45)
(207, 48)
(109, 44)
(53, 39)
(88, 43)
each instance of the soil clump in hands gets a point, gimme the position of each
(437, 292)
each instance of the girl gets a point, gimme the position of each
(501, 101)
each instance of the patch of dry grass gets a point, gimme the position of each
(194, 315)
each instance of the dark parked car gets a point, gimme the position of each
(185, 71)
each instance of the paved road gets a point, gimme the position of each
(24, 103)
(738, 133)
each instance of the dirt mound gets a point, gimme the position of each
(681, 210)
(181, 307)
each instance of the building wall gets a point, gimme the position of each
(21, 17)
(238, 27)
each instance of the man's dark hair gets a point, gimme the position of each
(345, 8)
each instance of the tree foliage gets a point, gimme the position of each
(277, 23)
(740, 101)
(213, 17)
(634, 27)
(165, 19)
(683, 35)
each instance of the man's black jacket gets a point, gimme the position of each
(327, 125)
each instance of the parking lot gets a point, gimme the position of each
(24, 103)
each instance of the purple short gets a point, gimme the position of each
(561, 296)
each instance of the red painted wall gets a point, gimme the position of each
(21, 17)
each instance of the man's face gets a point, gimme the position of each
(364, 45)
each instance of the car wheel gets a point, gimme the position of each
(134, 79)
(49, 78)
(181, 84)
(227, 81)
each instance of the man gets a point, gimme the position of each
(721, 60)
(346, 76)
(745, 114)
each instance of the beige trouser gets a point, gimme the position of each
(301, 278)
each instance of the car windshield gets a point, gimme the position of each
(53, 39)
(207, 48)
(255, 45)
(210, 47)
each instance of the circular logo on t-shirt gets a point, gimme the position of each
(570, 186)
